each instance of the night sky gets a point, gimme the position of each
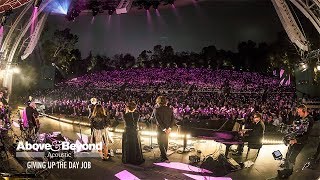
(187, 28)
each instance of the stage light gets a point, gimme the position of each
(318, 65)
(95, 7)
(95, 11)
(111, 11)
(16, 70)
(3, 20)
(5, 16)
(155, 4)
(303, 66)
(169, 2)
(147, 5)
(59, 7)
(37, 3)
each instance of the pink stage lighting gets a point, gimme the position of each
(126, 175)
(33, 19)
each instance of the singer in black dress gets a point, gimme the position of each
(131, 144)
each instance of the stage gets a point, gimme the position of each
(264, 167)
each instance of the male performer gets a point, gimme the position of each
(91, 106)
(255, 135)
(93, 102)
(295, 145)
(32, 117)
(165, 121)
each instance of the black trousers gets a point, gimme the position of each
(292, 153)
(163, 144)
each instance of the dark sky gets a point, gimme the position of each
(189, 28)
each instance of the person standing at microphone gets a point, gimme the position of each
(165, 121)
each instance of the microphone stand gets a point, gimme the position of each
(81, 119)
(151, 125)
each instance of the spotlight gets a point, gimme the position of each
(95, 7)
(5, 16)
(3, 20)
(155, 4)
(16, 70)
(110, 12)
(147, 5)
(318, 65)
(73, 14)
(171, 2)
(95, 11)
(303, 66)
(37, 3)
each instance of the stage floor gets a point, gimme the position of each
(265, 167)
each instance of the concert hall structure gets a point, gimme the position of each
(160, 89)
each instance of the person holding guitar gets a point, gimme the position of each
(33, 119)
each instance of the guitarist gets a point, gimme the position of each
(33, 119)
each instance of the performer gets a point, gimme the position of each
(3, 114)
(165, 121)
(99, 124)
(296, 144)
(3, 99)
(33, 120)
(29, 100)
(131, 144)
(91, 106)
(93, 102)
(255, 134)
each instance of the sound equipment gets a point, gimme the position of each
(277, 155)
(220, 166)
(194, 159)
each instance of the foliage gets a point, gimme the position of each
(250, 56)
(61, 50)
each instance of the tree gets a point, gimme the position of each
(64, 40)
(157, 53)
(168, 54)
(209, 53)
(127, 61)
(60, 49)
(142, 58)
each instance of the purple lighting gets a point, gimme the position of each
(182, 166)
(109, 20)
(33, 19)
(149, 17)
(126, 175)
(92, 20)
(198, 177)
(176, 13)
(158, 13)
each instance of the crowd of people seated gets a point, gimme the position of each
(192, 93)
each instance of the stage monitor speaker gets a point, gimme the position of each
(220, 166)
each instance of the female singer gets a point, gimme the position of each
(131, 144)
(99, 124)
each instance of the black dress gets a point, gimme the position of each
(131, 144)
